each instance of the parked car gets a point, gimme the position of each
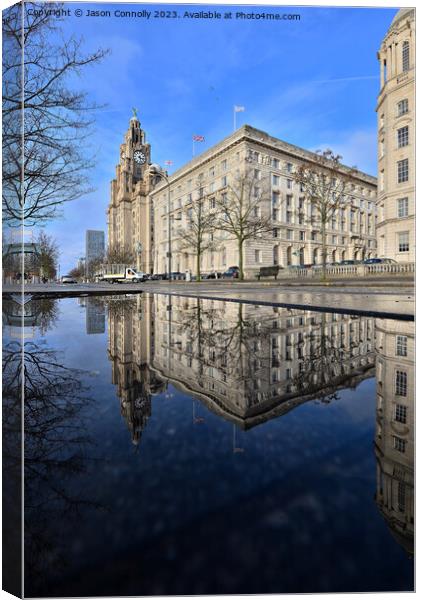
(231, 272)
(380, 261)
(68, 279)
(349, 262)
(212, 276)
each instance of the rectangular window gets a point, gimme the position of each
(402, 207)
(224, 165)
(314, 235)
(301, 203)
(403, 107)
(275, 197)
(302, 236)
(275, 163)
(401, 382)
(400, 413)
(405, 56)
(289, 167)
(403, 136)
(275, 179)
(258, 256)
(403, 241)
(401, 345)
(275, 232)
(289, 234)
(401, 496)
(289, 184)
(257, 174)
(403, 170)
(399, 444)
(289, 200)
(224, 181)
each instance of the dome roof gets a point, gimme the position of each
(402, 14)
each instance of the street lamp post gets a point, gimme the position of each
(139, 249)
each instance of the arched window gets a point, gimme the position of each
(405, 56)
(301, 256)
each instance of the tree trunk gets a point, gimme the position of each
(324, 251)
(240, 259)
(198, 254)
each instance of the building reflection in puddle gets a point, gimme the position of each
(395, 420)
(250, 364)
(247, 364)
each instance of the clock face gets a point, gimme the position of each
(139, 157)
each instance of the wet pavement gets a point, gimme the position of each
(177, 445)
(379, 301)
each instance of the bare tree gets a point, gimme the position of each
(45, 258)
(77, 272)
(240, 212)
(198, 235)
(119, 255)
(325, 183)
(46, 123)
(54, 405)
(93, 265)
(328, 365)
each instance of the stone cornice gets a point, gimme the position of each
(248, 134)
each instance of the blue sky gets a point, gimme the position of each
(313, 83)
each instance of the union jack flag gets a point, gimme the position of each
(198, 138)
(168, 162)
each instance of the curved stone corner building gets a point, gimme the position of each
(396, 140)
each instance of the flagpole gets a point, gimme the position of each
(235, 120)
(193, 147)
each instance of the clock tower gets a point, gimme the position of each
(129, 211)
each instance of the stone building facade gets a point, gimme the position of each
(142, 208)
(396, 140)
(293, 240)
(395, 424)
